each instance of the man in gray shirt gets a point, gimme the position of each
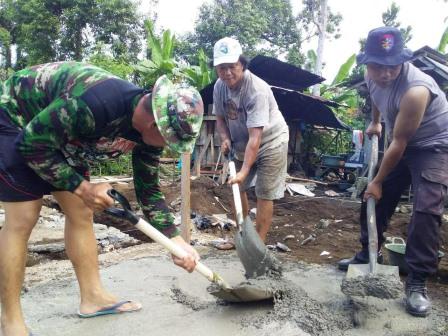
(415, 111)
(250, 123)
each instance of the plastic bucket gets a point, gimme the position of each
(396, 251)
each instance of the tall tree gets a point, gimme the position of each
(390, 18)
(7, 33)
(49, 30)
(267, 26)
(322, 25)
(317, 20)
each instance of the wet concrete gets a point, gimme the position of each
(309, 302)
(381, 286)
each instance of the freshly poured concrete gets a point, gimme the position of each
(309, 302)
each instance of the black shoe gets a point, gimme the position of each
(362, 257)
(417, 301)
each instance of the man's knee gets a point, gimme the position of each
(21, 217)
(74, 208)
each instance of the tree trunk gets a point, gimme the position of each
(320, 45)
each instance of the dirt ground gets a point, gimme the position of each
(176, 302)
(332, 221)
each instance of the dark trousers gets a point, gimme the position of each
(427, 171)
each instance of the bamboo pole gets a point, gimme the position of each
(185, 195)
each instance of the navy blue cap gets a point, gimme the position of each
(385, 46)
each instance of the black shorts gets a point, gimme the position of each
(18, 182)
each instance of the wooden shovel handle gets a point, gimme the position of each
(371, 216)
(175, 249)
(236, 195)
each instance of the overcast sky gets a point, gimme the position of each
(427, 18)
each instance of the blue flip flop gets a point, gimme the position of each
(109, 310)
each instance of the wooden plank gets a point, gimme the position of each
(112, 180)
(225, 168)
(209, 117)
(212, 147)
(304, 180)
(197, 162)
(185, 198)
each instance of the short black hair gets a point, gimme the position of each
(244, 61)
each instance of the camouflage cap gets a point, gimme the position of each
(178, 110)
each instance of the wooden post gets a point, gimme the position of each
(197, 162)
(185, 201)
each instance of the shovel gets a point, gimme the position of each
(388, 274)
(222, 290)
(255, 257)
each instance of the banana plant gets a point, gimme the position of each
(160, 59)
(200, 75)
(443, 42)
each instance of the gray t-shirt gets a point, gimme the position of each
(252, 104)
(433, 130)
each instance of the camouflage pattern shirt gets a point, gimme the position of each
(71, 114)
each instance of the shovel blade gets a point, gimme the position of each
(356, 270)
(255, 257)
(243, 293)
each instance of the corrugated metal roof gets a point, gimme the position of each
(286, 81)
(282, 74)
(298, 106)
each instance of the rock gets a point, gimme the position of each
(202, 222)
(309, 239)
(47, 248)
(288, 237)
(404, 209)
(282, 247)
(34, 259)
(331, 193)
(253, 213)
(323, 223)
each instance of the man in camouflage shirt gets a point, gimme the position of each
(56, 118)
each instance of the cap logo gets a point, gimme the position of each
(223, 48)
(387, 42)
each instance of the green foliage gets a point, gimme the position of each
(261, 26)
(344, 70)
(118, 66)
(5, 73)
(443, 42)
(119, 166)
(309, 17)
(37, 31)
(160, 59)
(200, 75)
(349, 112)
(311, 59)
(47, 30)
(390, 19)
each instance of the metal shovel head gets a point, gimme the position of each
(242, 293)
(252, 252)
(384, 283)
(356, 270)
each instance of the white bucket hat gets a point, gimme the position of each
(226, 50)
